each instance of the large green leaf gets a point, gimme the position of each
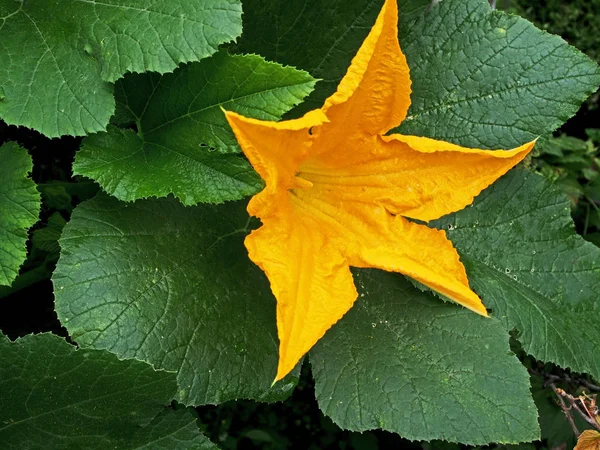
(19, 209)
(536, 274)
(331, 33)
(406, 362)
(183, 143)
(173, 286)
(484, 78)
(480, 78)
(54, 396)
(60, 56)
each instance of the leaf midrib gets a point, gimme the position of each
(235, 99)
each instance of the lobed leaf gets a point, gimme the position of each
(183, 143)
(530, 267)
(403, 361)
(487, 79)
(60, 57)
(54, 396)
(173, 286)
(19, 209)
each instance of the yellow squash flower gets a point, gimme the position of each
(339, 191)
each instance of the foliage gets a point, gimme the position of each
(75, 398)
(573, 165)
(576, 21)
(183, 144)
(20, 205)
(61, 57)
(161, 308)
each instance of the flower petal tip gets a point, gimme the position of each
(480, 309)
(281, 374)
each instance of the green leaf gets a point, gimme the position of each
(164, 107)
(172, 429)
(319, 37)
(54, 396)
(480, 78)
(46, 238)
(19, 209)
(537, 275)
(59, 57)
(184, 143)
(484, 78)
(130, 168)
(406, 362)
(173, 286)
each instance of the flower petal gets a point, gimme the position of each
(369, 236)
(411, 176)
(374, 95)
(309, 278)
(424, 254)
(275, 149)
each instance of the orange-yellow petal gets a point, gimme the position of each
(411, 176)
(374, 95)
(309, 278)
(422, 253)
(336, 191)
(367, 235)
(275, 149)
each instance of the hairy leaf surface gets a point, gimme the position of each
(183, 143)
(54, 396)
(59, 57)
(173, 286)
(404, 361)
(19, 209)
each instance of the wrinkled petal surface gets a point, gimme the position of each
(369, 236)
(309, 278)
(374, 95)
(412, 176)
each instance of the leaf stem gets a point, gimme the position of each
(566, 410)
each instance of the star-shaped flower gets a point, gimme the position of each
(339, 191)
